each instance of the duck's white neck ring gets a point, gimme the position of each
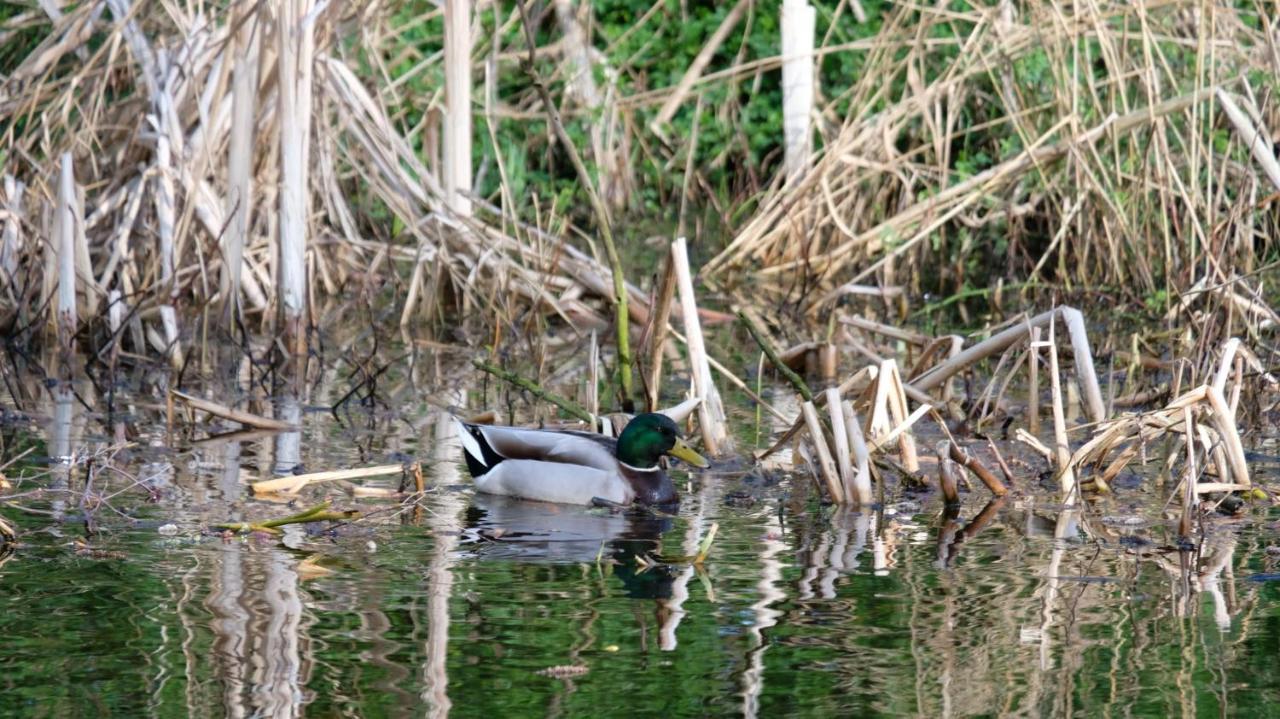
(654, 468)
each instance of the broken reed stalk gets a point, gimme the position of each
(767, 347)
(220, 410)
(296, 47)
(711, 417)
(890, 405)
(295, 483)
(826, 466)
(1222, 421)
(569, 406)
(901, 428)
(658, 322)
(890, 331)
(318, 513)
(604, 225)
(1002, 341)
(1256, 139)
(860, 380)
(704, 547)
(828, 361)
(963, 458)
(840, 436)
(1229, 350)
(948, 475)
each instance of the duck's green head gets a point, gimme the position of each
(648, 437)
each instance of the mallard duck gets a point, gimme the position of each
(572, 467)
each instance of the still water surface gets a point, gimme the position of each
(476, 606)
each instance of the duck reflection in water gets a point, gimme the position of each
(500, 527)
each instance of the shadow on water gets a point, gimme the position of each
(116, 603)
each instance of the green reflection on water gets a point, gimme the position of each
(214, 628)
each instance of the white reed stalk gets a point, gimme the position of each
(89, 290)
(840, 435)
(861, 456)
(1086, 376)
(593, 380)
(1033, 392)
(296, 48)
(1226, 426)
(11, 242)
(165, 223)
(66, 312)
(457, 92)
(798, 24)
(244, 97)
(1259, 141)
(138, 45)
(711, 417)
(1189, 496)
(826, 467)
(1229, 350)
(116, 311)
(903, 419)
(1062, 451)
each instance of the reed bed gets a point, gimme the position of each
(1122, 145)
(162, 159)
(1193, 443)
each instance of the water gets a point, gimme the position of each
(478, 606)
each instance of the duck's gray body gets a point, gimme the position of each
(560, 466)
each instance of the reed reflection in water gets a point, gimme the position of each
(466, 605)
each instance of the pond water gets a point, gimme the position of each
(116, 603)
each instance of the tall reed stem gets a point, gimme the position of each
(296, 49)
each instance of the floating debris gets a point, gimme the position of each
(563, 671)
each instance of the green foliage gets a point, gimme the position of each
(739, 131)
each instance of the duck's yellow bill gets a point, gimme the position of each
(684, 452)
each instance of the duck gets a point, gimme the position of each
(573, 467)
